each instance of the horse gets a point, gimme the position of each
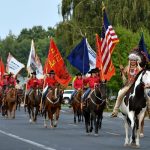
(76, 105)
(33, 103)
(93, 108)
(133, 107)
(52, 106)
(9, 102)
(20, 98)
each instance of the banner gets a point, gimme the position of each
(34, 63)
(13, 66)
(55, 62)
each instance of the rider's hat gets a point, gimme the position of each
(134, 57)
(51, 72)
(33, 73)
(97, 70)
(79, 74)
(5, 74)
(92, 71)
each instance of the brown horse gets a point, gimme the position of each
(33, 103)
(76, 105)
(52, 106)
(20, 98)
(10, 102)
(93, 108)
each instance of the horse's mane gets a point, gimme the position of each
(138, 76)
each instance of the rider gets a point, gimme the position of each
(49, 83)
(78, 84)
(91, 81)
(32, 83)
(5, 81)
(128, 75)
(11, 80)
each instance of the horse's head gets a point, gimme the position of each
(101, 89)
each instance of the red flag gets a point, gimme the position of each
(55, 62)
(2, 69)
(105, 47)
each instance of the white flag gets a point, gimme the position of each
(13, 65)
(34, 63)
(92, 56)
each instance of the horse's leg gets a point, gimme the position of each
(57, 116)
(29, 111)
(142, 126)
(96, 123)
(133, 128)
(126, 126)
(13, 111)
(139, 123)
(75, 113)
(91, 121)
(45, 118)
(50, 115)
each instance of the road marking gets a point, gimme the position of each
(112, 133)
(27, 141)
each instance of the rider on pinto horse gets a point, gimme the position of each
(128, 75)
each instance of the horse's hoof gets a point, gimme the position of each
(133, 145)
(87, 133)
(55, 125)
(141, 135)
(96, 134)
(45, 126)
(30, 121)
(126, 144)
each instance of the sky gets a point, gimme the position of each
(18, 14)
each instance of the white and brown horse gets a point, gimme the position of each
(52, 106)
(133, 107)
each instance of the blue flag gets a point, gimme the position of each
(79, 57)
(142, 47)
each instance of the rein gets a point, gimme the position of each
(52, 101)
(100, 99)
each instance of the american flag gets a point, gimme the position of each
(105, 47)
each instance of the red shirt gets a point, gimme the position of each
(32, 83)
(78, 83)
(12, 81)
(51, 82)
(91, 81)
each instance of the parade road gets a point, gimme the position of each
(19, 134)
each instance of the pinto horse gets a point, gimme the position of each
(133, 107)
(10, 102)
(76, 104)
(52, 106)
(33, 103)
(93, 108)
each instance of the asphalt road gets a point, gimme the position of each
(19, 134)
